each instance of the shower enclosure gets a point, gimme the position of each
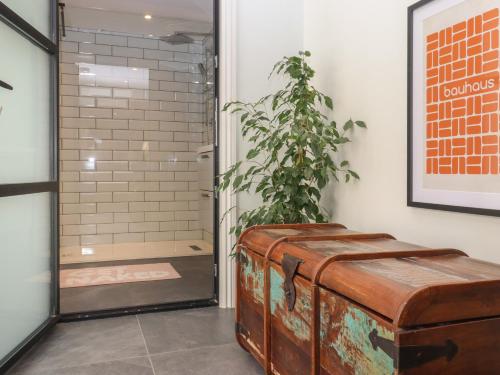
(137, 115)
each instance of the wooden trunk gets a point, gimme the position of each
(321, 299)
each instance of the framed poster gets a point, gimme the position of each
(453, 106)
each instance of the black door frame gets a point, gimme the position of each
(214, 300)
(50, 45)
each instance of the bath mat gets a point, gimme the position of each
(75, 278)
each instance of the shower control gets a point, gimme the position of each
(5, 85)
(206, 185)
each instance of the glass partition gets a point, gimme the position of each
(26, 267)
(25, 111)
(28, 176)
(37, 13)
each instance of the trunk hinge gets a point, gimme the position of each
(289, 265)
(412, 356)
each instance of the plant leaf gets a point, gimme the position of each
(361, 124)
(348, 125)
(329, 102)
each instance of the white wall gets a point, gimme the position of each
(359, 53)
(253, 36)
(267, 30)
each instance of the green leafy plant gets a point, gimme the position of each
(290, 161)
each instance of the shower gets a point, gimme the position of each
(155, 102)
(178, 37)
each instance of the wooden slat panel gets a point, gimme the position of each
(290, 330)
(261, 237)
(251, 300)
(345, 344)
(313, 251)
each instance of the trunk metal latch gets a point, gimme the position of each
(289, 265)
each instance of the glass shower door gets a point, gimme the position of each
(137, 156)
(28, 174)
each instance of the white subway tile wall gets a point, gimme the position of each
(132, 117)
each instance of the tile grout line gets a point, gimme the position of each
(146, 345)
(191, 349)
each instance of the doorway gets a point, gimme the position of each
(137, 156)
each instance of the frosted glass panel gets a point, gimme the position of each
(35, 12)
(24, 111)
(25, 271)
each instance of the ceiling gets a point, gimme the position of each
(195, 10)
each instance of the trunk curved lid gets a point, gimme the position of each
(259, 238)
(408, 284)
(415, 291)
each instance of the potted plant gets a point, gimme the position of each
(293, 142)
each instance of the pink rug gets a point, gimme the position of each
(74, 278)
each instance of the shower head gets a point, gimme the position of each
(177, 38)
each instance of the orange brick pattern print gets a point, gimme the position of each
(462, 97)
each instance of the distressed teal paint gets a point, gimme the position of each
(253, 278)
(277, 291)
(353, 346)
(298, 320)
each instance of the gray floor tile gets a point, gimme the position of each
(227, 359)
(188, 329)
(196, 282)
(189, 342)
(77, 344)
(132, 366)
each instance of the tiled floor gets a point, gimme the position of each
(189, 342)
(196, 282)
